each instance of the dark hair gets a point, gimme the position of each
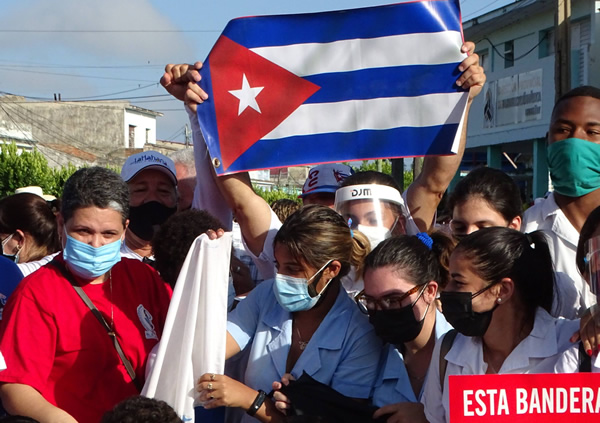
(95, 187)
(587, 230)
(582, 91)
(498, 252)
(493, 186)
(139, 409)
(413, 259)
(174, 238)
(31, 214)
(370, 177)
(284, 207)
(377, 178)
(315, 234)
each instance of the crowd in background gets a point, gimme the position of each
(355, 292)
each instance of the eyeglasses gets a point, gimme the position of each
(389, 302)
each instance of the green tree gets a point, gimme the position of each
(275, 194)
(386, 167)
(59, 177)
(19, 170)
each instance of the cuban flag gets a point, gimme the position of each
(357, 84)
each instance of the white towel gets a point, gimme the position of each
(193, 340)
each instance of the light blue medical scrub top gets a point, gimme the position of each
(393, 385)
(342, 353)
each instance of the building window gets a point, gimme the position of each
(546, 40)
(509, 54)
(147, 135)
(484, 60)
(131, 136)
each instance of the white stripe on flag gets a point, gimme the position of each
(348, 55)
(378, 113)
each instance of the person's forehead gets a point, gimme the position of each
(577, 108)
(151, 176)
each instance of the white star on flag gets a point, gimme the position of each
(247, 96)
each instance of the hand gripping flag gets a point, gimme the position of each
(357, 84)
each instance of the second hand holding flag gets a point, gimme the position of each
(358, 84)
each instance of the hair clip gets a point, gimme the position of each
(350, 226)
(425, 239)
(530, 241)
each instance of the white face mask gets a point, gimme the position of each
(377, 234)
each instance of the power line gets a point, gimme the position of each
(518, 57)
(24, 134)
(106, 95)
(75, 75)
(479, 10)
(73, 100)
(8, 63)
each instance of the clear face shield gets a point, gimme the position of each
(592, 264)
(375, 210)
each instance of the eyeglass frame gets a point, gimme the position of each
(364, 309)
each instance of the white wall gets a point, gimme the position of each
(142, 123)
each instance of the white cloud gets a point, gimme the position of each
(94, 15)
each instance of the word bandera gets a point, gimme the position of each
(537, 400)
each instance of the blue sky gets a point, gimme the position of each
(120, 47)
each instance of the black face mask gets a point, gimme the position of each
(397, 326)
(457, 308)
(145, 220)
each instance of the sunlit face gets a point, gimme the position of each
(463, 278)
(152, 185)
(326, 199)
(94, 226)
(364, 212)
(388, 283)
(288, 265)
(576, 117)
(475, 213)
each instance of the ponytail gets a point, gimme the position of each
(361, 247)
(499, 252)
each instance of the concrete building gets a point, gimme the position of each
(98, 132)
(509, 120)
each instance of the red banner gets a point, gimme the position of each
(523, 397)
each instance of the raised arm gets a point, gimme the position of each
(251, 211)
(425, 193)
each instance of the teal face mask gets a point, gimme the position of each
(574, 166)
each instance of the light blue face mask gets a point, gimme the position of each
(90, 262)
(293, 293)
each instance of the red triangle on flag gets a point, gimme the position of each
(233, 67)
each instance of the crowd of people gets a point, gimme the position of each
(355, 289)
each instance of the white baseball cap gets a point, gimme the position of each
(148, 160)
(325, 178)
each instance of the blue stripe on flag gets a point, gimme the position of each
(320, 148)
(402, 81)
(372, 22)
(207, 116)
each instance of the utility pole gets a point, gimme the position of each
(398, 172)
(187, 136)
(562, 48)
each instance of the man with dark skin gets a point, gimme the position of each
(574, 162)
